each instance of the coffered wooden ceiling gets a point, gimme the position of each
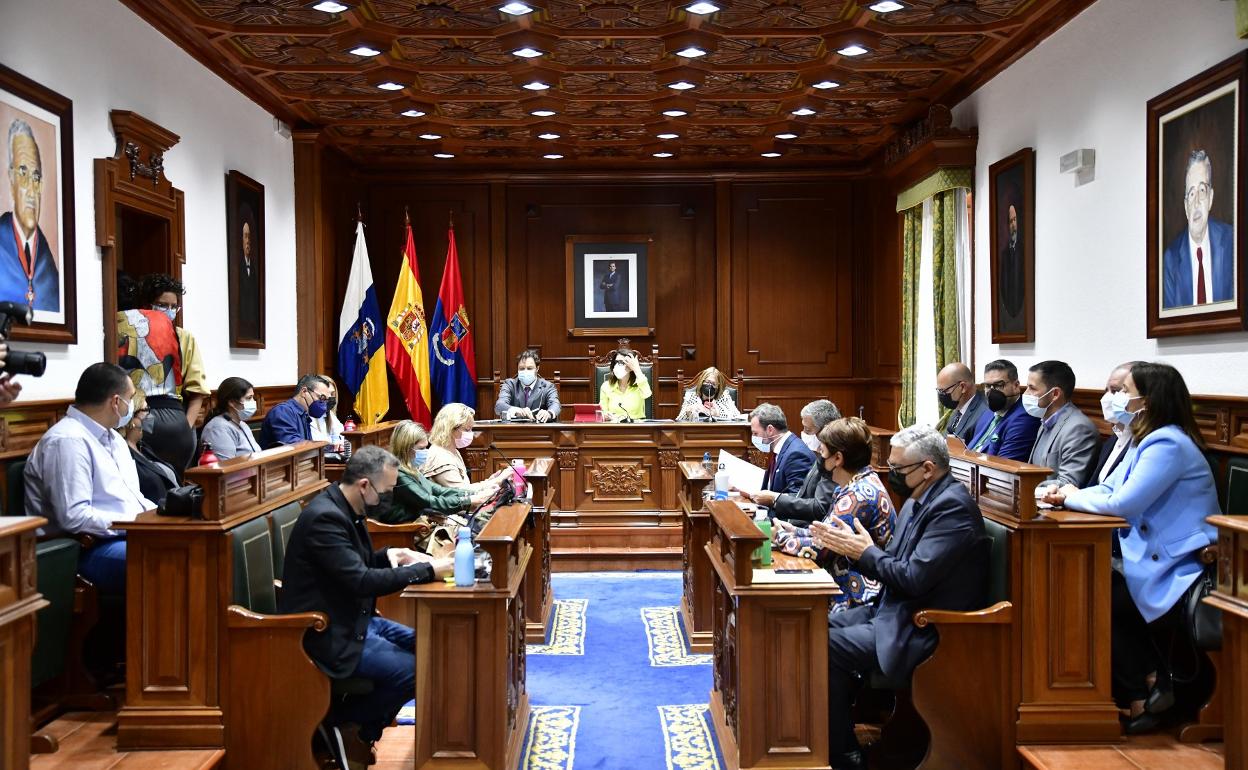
(608, 65)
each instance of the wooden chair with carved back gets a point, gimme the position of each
(733, 386)
(497, 380)
(600, 367)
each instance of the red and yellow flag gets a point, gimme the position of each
(407, 337)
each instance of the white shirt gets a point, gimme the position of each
(1124, 441)
(778, 444)
(1207, 258)
(82, 479)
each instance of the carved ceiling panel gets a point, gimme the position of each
(382, 74)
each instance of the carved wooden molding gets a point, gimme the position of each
(669, 458)
(617, 480)
(567, 459)
(1223, 420)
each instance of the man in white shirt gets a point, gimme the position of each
(82, 479)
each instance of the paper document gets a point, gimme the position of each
(814, 577)
(743, 475)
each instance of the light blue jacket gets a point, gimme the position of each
(1164, 489)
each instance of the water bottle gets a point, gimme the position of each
(764, 551)
(721, 483)
(465, 561)
(707, 465)
(207, 457)
(521, 486)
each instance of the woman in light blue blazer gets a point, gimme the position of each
(1164, 489)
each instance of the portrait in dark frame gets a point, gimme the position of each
(245, 226)
(1011, 195)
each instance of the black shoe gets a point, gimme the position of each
(1161, 697)
(1143, 724)
(850, 760)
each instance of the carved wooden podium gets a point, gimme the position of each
(1231, 597)
(179, 582)
(472, 705)
(19, 601)
(698, 584)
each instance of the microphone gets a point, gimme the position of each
(627, 417)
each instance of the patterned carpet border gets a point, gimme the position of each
(687, 738)
(567, 629)
(665, 639)
(550, 741)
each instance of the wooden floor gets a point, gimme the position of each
(1145, 752)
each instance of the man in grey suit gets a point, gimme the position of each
(814, 499)
(527, 396)
(955, 388)
(1067, 440)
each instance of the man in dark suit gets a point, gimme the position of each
(1011, 281)
(248, 281)
(1005, 430)
(28, 272)
(814, 499)
(956, 391)
(788, 459)
(527, 395)
(938, 559)
(331, 567)
(1067, 439)
(1198, 266)
(614, 296)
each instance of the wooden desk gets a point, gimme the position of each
(1231, 597)
(179, 582)
(698, 584)
(19, 601)
(375, 435)
(769, 702)
(472, 706)
(616, 502)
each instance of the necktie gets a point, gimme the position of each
(771, 466)
(1200, 276)
(954, 419)
(987, 434)
(526, 396)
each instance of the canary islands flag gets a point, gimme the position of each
(450, 337)
(407, 337)
(361, 361)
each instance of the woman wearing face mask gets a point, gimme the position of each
(416, 496)
(705, 398)
(623, 395)
(844, 455)
(156, 477)
(1165, 490)
(452, 431)
(227, 432)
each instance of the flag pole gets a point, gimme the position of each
(359, 212)
(407, 220)
(450, 216)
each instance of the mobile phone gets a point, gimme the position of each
(792, 571)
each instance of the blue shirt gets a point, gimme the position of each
(286, 423)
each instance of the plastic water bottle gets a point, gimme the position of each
(707, 465)
(764, 551)
(721, 483)
(465, 561)
(518, 470)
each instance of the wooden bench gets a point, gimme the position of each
(19, 601)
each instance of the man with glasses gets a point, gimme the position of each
(955, 388)
(1198, 266)
(1006, 429)
(290, 422)
(28, 272)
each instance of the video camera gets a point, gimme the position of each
(19, 361)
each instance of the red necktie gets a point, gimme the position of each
(771, 467)
(1200, 276)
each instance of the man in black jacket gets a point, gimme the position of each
(938, 559)
(331, 567)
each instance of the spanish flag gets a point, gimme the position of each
(360, 359)
(407, 336)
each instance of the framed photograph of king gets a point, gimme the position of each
(37, 266)
(608, 285)
(1012, 223)
(1195, 243)
(244, 222)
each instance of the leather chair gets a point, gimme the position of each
(600, 366)
(283, 520)
(732, 388)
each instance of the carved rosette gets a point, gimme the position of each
(516, 657)
(475, 459)
(617, 480)
(668, 458)
(567, 459)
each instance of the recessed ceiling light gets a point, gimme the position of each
(852, 50)
(675, 113)
(443, 155)
(803, 111)
(548, 135)
(329, 6)
(682, 85)
(430, 137)
(527, 52)
(886, 6)
(390, 85)
(771, 154)
(825, 84)
(786, 136)
(702, 8)
(662, 155)
(691, 52)
(365, 50)
(552, 156)
(668, 136)
(516, 9)
(543, 113)
(412, 113)
(536, 85)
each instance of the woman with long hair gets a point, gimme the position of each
(227, 431)
(415, 495)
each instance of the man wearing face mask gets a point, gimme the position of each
(1067, 439)
(327, 427)
(527, 396)
(788, 459)
(82, 478)
(331, 567)
(956, 391)
(1006, 429)
(1113, 407)
(937, 559)
(290, 422)
(811, 502)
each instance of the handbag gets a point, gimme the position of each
(1203, 621)
(186, 500)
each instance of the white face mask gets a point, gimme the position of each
(1107, 410)
(248, 409)
(1031, 405)
(464, 439)
(125, 419)
(811, 441)
(761, 444)
(1118, 403)
(620, 371)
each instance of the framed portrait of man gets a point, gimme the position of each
(1012, 223)
(244, 220)
(1195, 204)
(608, 285)
(37, 265)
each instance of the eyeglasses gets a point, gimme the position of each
(946, 390)
(904, 469)
(1200, 192)
(27, 177)
(999, 385)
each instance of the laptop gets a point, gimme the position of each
(586, 412)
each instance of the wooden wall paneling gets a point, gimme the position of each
(723, 271)
(310, 250)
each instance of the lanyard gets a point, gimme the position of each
(28, 265)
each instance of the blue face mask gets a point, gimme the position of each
(170, 312)
(527, 377)
(419, 457)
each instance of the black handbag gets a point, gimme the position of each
(1203, 621)
(186, 500)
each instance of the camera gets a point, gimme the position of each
(19, 361)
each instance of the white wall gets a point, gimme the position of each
(103, 57)
(1087, 86)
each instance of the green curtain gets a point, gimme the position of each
(945, 276)
(911, 243)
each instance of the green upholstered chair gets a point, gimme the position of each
(1237, 486)
(15, 480)
(283, 523)
(600, 366)
(253, 566)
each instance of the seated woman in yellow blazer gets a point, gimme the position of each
(625, 390)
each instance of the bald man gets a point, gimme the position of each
(955, 387)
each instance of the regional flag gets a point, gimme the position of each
(407, 337)
(361, 361)
(450, 337)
